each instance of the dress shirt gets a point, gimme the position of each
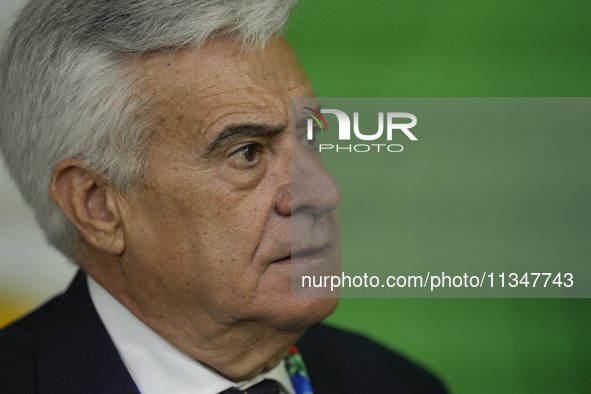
(156, 366)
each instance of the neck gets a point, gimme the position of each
(237, 350)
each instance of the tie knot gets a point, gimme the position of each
(267, 386)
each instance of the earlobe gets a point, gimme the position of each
(89, 204)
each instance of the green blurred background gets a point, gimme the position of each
(454, 49)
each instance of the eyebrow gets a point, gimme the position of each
(243, 130)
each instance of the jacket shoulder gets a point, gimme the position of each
(17, 351)
(62, 347)
(342, 362)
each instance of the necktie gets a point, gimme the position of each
(265, 387)
(297, 372)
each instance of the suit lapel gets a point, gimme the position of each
(74, 353)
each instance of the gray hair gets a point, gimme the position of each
(66, 91)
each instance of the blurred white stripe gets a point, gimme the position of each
(30, 271)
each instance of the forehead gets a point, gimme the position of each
(221, 84)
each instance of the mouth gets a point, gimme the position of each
(304, 255)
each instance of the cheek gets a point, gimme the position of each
(199, 226)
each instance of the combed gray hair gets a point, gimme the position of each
(66, 91)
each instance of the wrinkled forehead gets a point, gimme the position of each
(220, 84)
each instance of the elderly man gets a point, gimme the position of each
(153, 141)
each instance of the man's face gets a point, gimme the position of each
(210, 231)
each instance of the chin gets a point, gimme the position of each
(300, 313)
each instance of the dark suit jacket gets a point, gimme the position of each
(63, 348)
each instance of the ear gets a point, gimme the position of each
(90, 204)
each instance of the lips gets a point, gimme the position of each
(313, 245)
(303, 237)
(312, 252)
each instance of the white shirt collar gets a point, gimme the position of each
(156, 366)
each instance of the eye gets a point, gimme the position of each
(249, 153)
(246, 155)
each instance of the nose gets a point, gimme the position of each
(312, 189)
